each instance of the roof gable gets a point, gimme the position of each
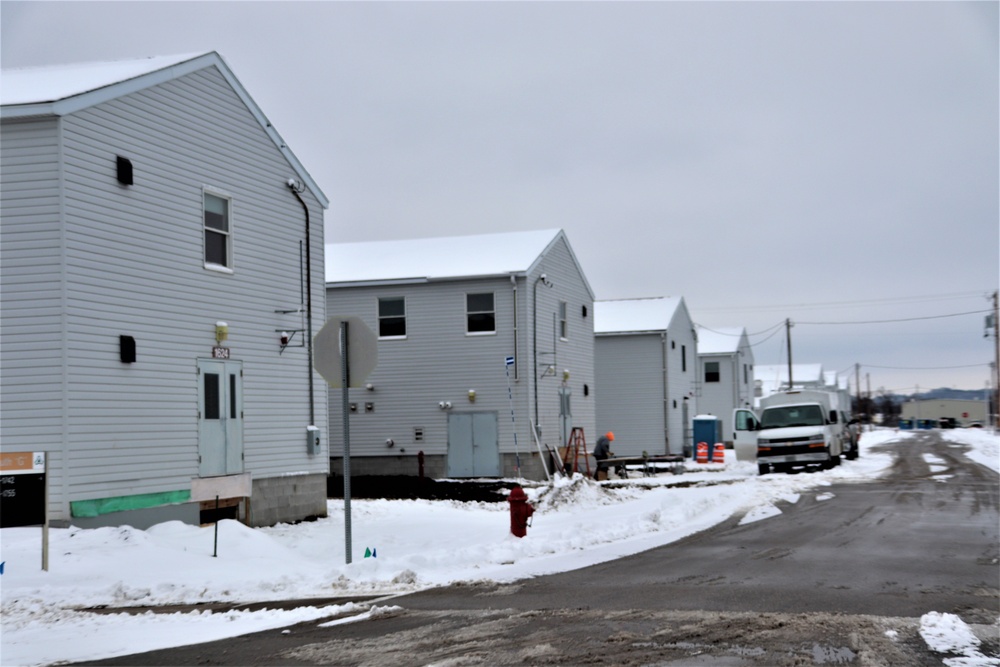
(636, 315)
(64, 89)
(720, 341)
(441, 258)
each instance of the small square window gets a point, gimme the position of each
(480, 313)
(218, 236)
(391, 317)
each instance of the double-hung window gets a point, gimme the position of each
(218, 232)
(712, 373)
(480, 313)
(563, 326)
(392, 317)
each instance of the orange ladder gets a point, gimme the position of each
(576, 448)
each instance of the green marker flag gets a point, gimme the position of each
(368, 552)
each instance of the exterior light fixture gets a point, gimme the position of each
(221, 331)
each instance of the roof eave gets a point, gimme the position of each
(89, 98)
(638, 332)
(422, 280)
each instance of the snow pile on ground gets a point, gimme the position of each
(414, 544)
(984, 445)
(947, 633)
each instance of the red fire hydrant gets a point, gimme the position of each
(520, 511)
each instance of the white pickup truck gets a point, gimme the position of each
(798, 428)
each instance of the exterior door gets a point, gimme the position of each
(473, 445)
(220, 417)
(745, 426)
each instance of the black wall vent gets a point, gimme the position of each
(126, 349)
(124, 170)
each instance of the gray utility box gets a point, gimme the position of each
(314, 440)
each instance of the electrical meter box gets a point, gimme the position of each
(314, 440)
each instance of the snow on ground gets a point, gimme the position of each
(416, 544)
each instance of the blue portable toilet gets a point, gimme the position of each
(707, 429)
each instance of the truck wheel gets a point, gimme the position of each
(763, 468)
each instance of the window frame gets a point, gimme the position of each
(563, 320)
(380, 317)
(227, 233)
(469, 313)
(717, 372)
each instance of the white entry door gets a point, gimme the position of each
(220, 417)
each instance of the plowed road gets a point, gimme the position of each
(841, 577)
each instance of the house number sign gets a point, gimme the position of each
(220, 352)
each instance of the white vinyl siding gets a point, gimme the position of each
(439, 362)
(32, 344)
(631, 392)
(133, 264)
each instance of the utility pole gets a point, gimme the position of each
(788, 337)
(868, 385)
(857, 384)
(996, 361)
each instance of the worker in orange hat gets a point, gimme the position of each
(602, 451)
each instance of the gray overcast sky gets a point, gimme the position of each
(824, 162)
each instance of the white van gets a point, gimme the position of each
(798, 428)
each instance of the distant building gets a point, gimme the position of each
(448, 314)
(646, 364)
(771, 378)
(962, 411)
(151, 250)
(725, 374)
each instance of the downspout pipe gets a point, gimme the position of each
(296, 187)
(513, 286)
(666, 396)
(542, 278)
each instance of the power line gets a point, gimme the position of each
(925, 368)
(727, 333)
(857, 302)
(905, 319)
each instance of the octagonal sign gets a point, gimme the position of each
(362, 351)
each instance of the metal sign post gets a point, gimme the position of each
(345, 382)
(24, 494)
(346, 354)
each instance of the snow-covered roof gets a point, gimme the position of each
(635, 315)
(38, 85)
(58, 90)
(773, 377)
(721, 340)
(834, 379)
(441, 258)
